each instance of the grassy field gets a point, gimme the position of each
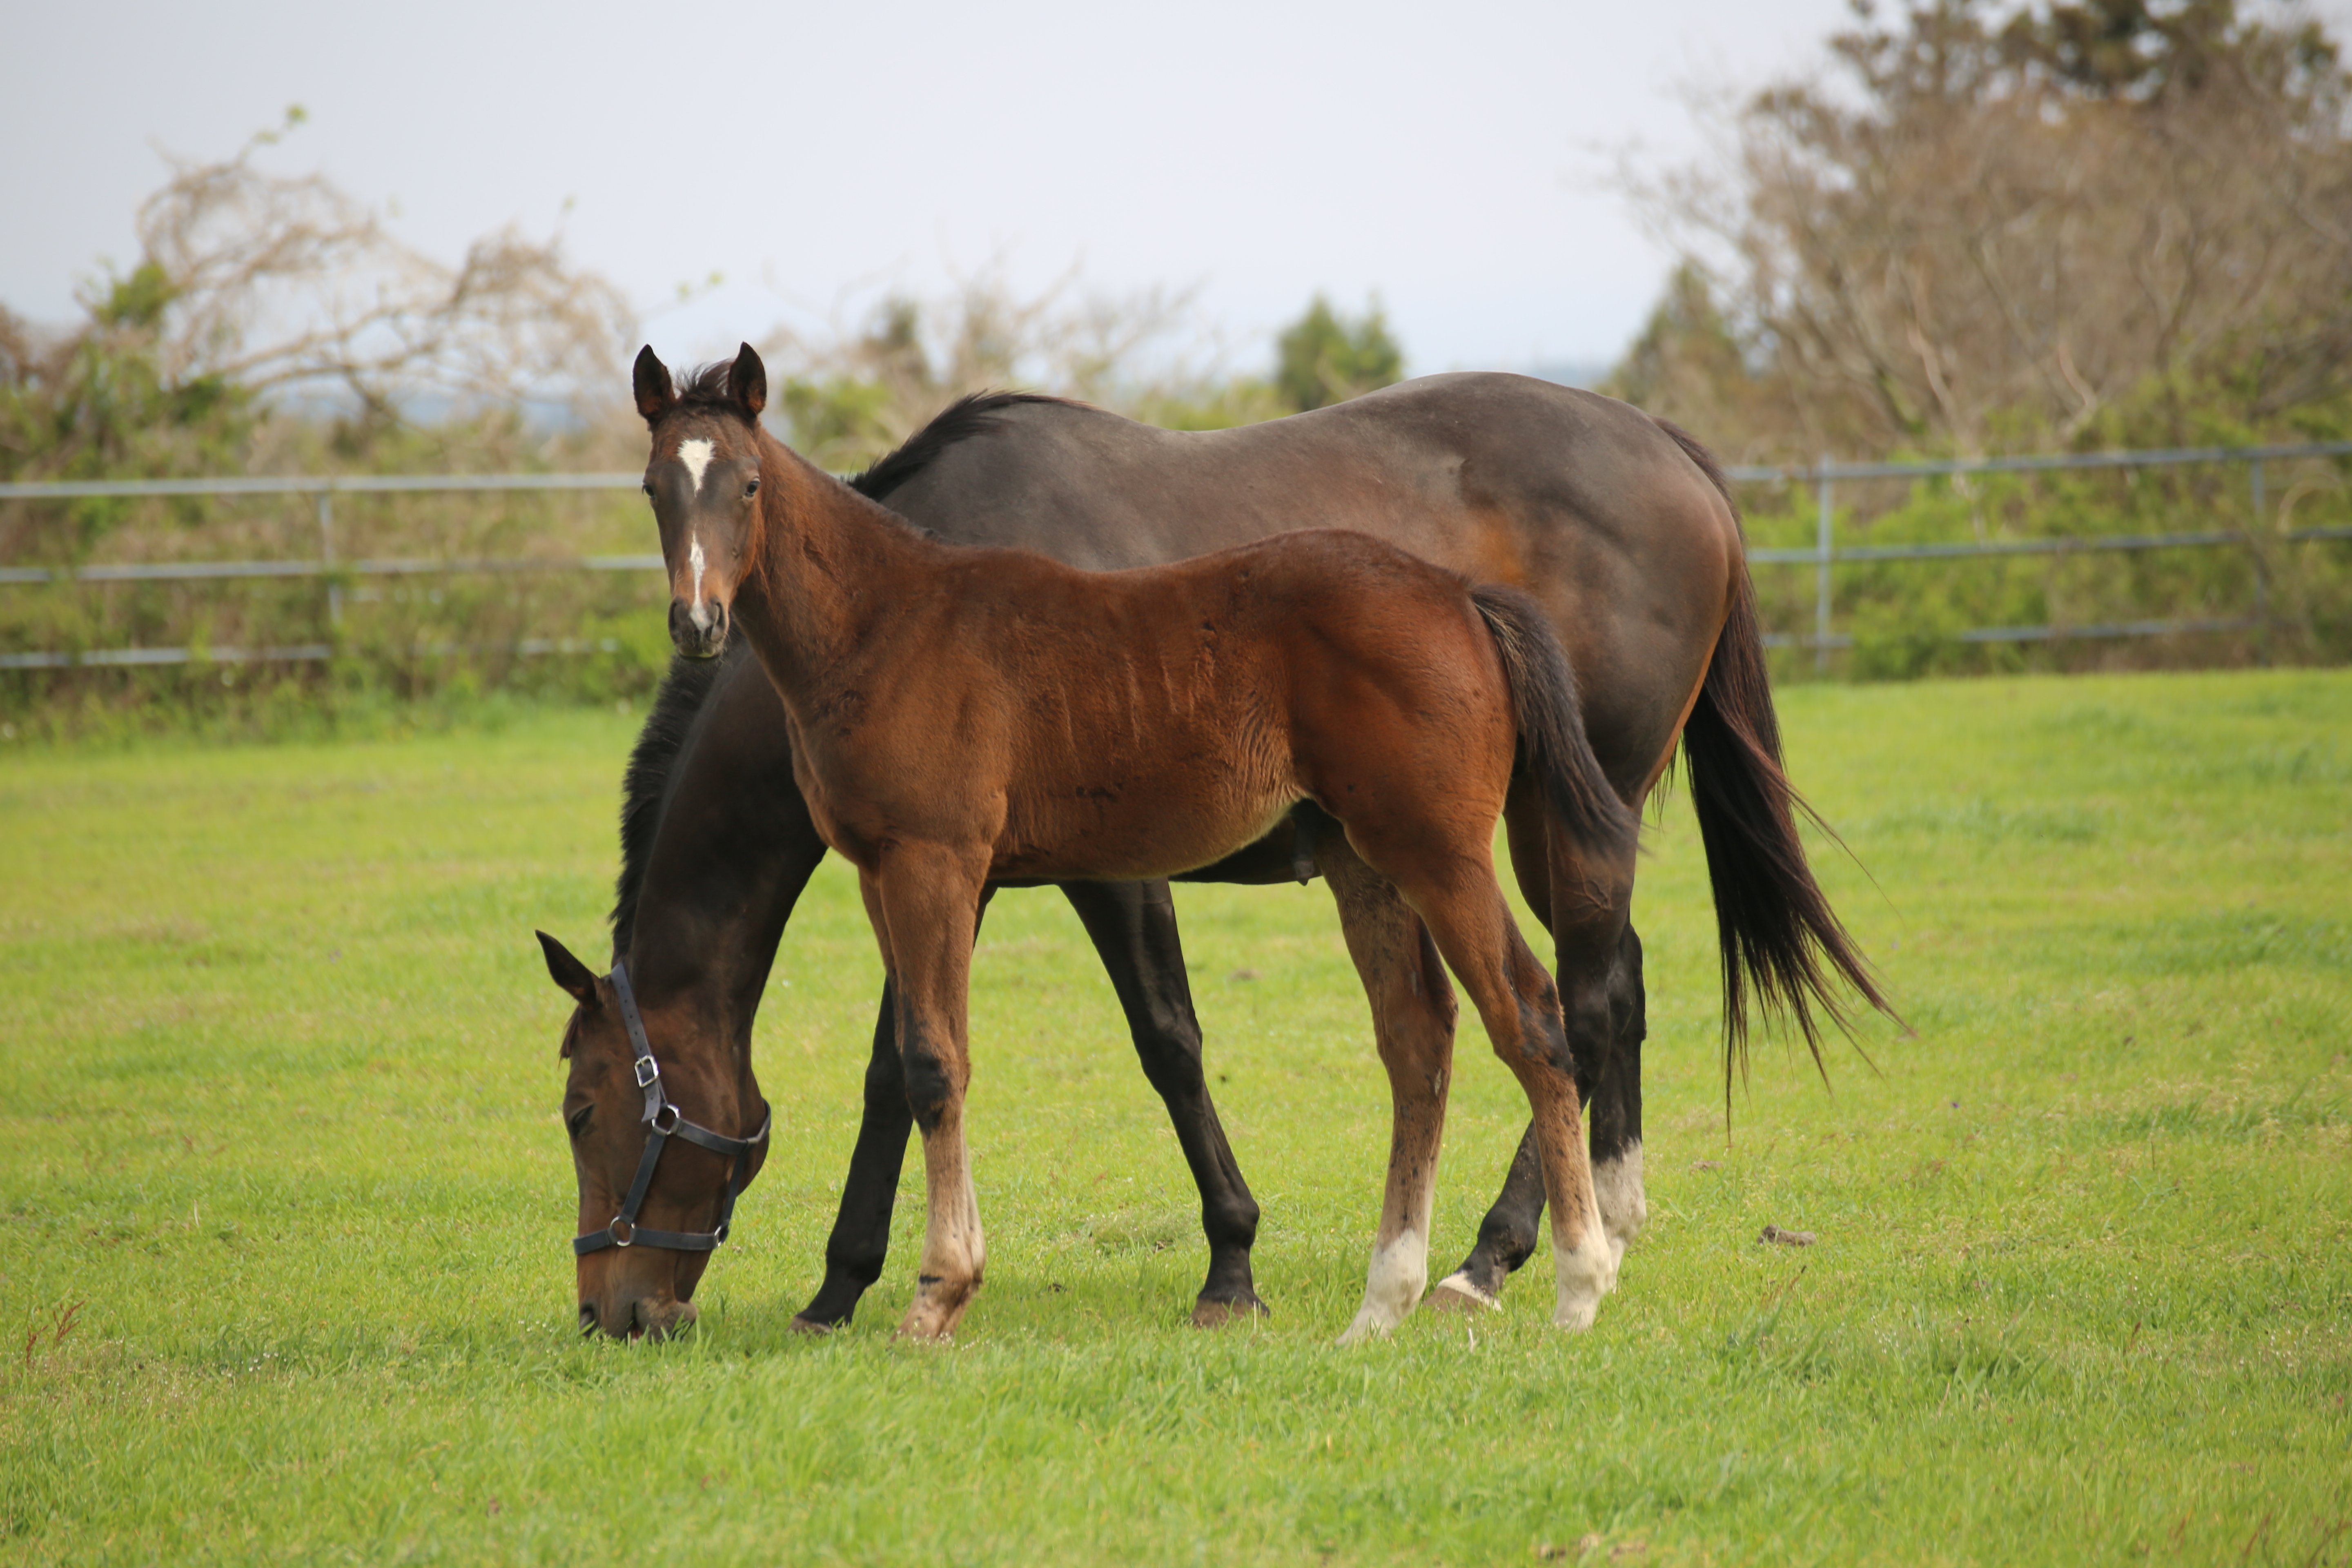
(284, 1197)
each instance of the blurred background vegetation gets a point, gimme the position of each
(1980, 229)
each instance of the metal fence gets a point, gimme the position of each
(328, 566)
(1824, 555)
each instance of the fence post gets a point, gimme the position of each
(327, 556)
(2255, 532)
(1822, 578)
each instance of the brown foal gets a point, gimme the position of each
(960, 713)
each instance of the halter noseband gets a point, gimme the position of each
(664, 1121)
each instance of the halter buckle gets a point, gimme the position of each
(648, 1069)
(677, 1117)
(616, 1227)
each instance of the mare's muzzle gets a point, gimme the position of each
(698, 631)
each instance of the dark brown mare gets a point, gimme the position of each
(1603, 512)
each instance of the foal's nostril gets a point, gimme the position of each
(587, 1316)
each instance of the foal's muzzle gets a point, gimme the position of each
(698, 631)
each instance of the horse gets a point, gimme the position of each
(1586, 499)
(963, 714)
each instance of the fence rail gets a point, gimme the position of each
(1824, 554)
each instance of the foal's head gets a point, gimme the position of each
(627, 1291)
(704, 481)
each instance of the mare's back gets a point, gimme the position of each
(1102, 491)
(1581, 499)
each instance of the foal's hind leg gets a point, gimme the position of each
(1133, 928)
(1612, 1106)
(1608, 1081)
(1412, 1022)
(1522, 1009)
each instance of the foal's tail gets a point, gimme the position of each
(1552, 743)
(1780, 942)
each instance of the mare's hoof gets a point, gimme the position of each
(805, 1324)
(1455, 1293)
(1208, 1314)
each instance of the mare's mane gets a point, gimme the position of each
(645, 788)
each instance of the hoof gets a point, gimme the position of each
(1208, 1314)
(804, 1324)
(1575, 1320)
(1455, 1293)
(937, 1309)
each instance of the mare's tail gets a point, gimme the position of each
(1781, 944)
(1552, 743)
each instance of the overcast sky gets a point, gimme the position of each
(1450, 158)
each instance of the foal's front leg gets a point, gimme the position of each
(924, 902)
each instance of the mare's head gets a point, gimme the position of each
(704, 481)
(643, 1289)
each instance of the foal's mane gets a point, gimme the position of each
(690, 681)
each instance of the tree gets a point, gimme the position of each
(251, 284)
(1323, 358)
(2007, 228)
(847, 400)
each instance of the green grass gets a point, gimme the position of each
(284, 1198)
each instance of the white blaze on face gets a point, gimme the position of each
(698, 611)
(696, 454)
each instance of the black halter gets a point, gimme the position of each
(664, 1121)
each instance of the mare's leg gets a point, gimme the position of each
(1615, 1107)
(924, 903)
(1506, 1237)
(860, 1242)
(1413, 1023)
(1133, 927)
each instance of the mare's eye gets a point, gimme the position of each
(648, 489)
(751, 488)
(577, 1122)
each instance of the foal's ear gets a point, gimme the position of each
(650, 381)
(748, 382)
(567, 971)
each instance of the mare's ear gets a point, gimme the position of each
(748, 382)
(568, 972)
(650, 381)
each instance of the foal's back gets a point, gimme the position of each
(1145, 722)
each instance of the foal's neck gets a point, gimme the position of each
(825, 566)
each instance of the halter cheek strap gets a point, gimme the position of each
(664, 1121)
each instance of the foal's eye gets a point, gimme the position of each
(751, 488)
(577, 1122)
(648, 489)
